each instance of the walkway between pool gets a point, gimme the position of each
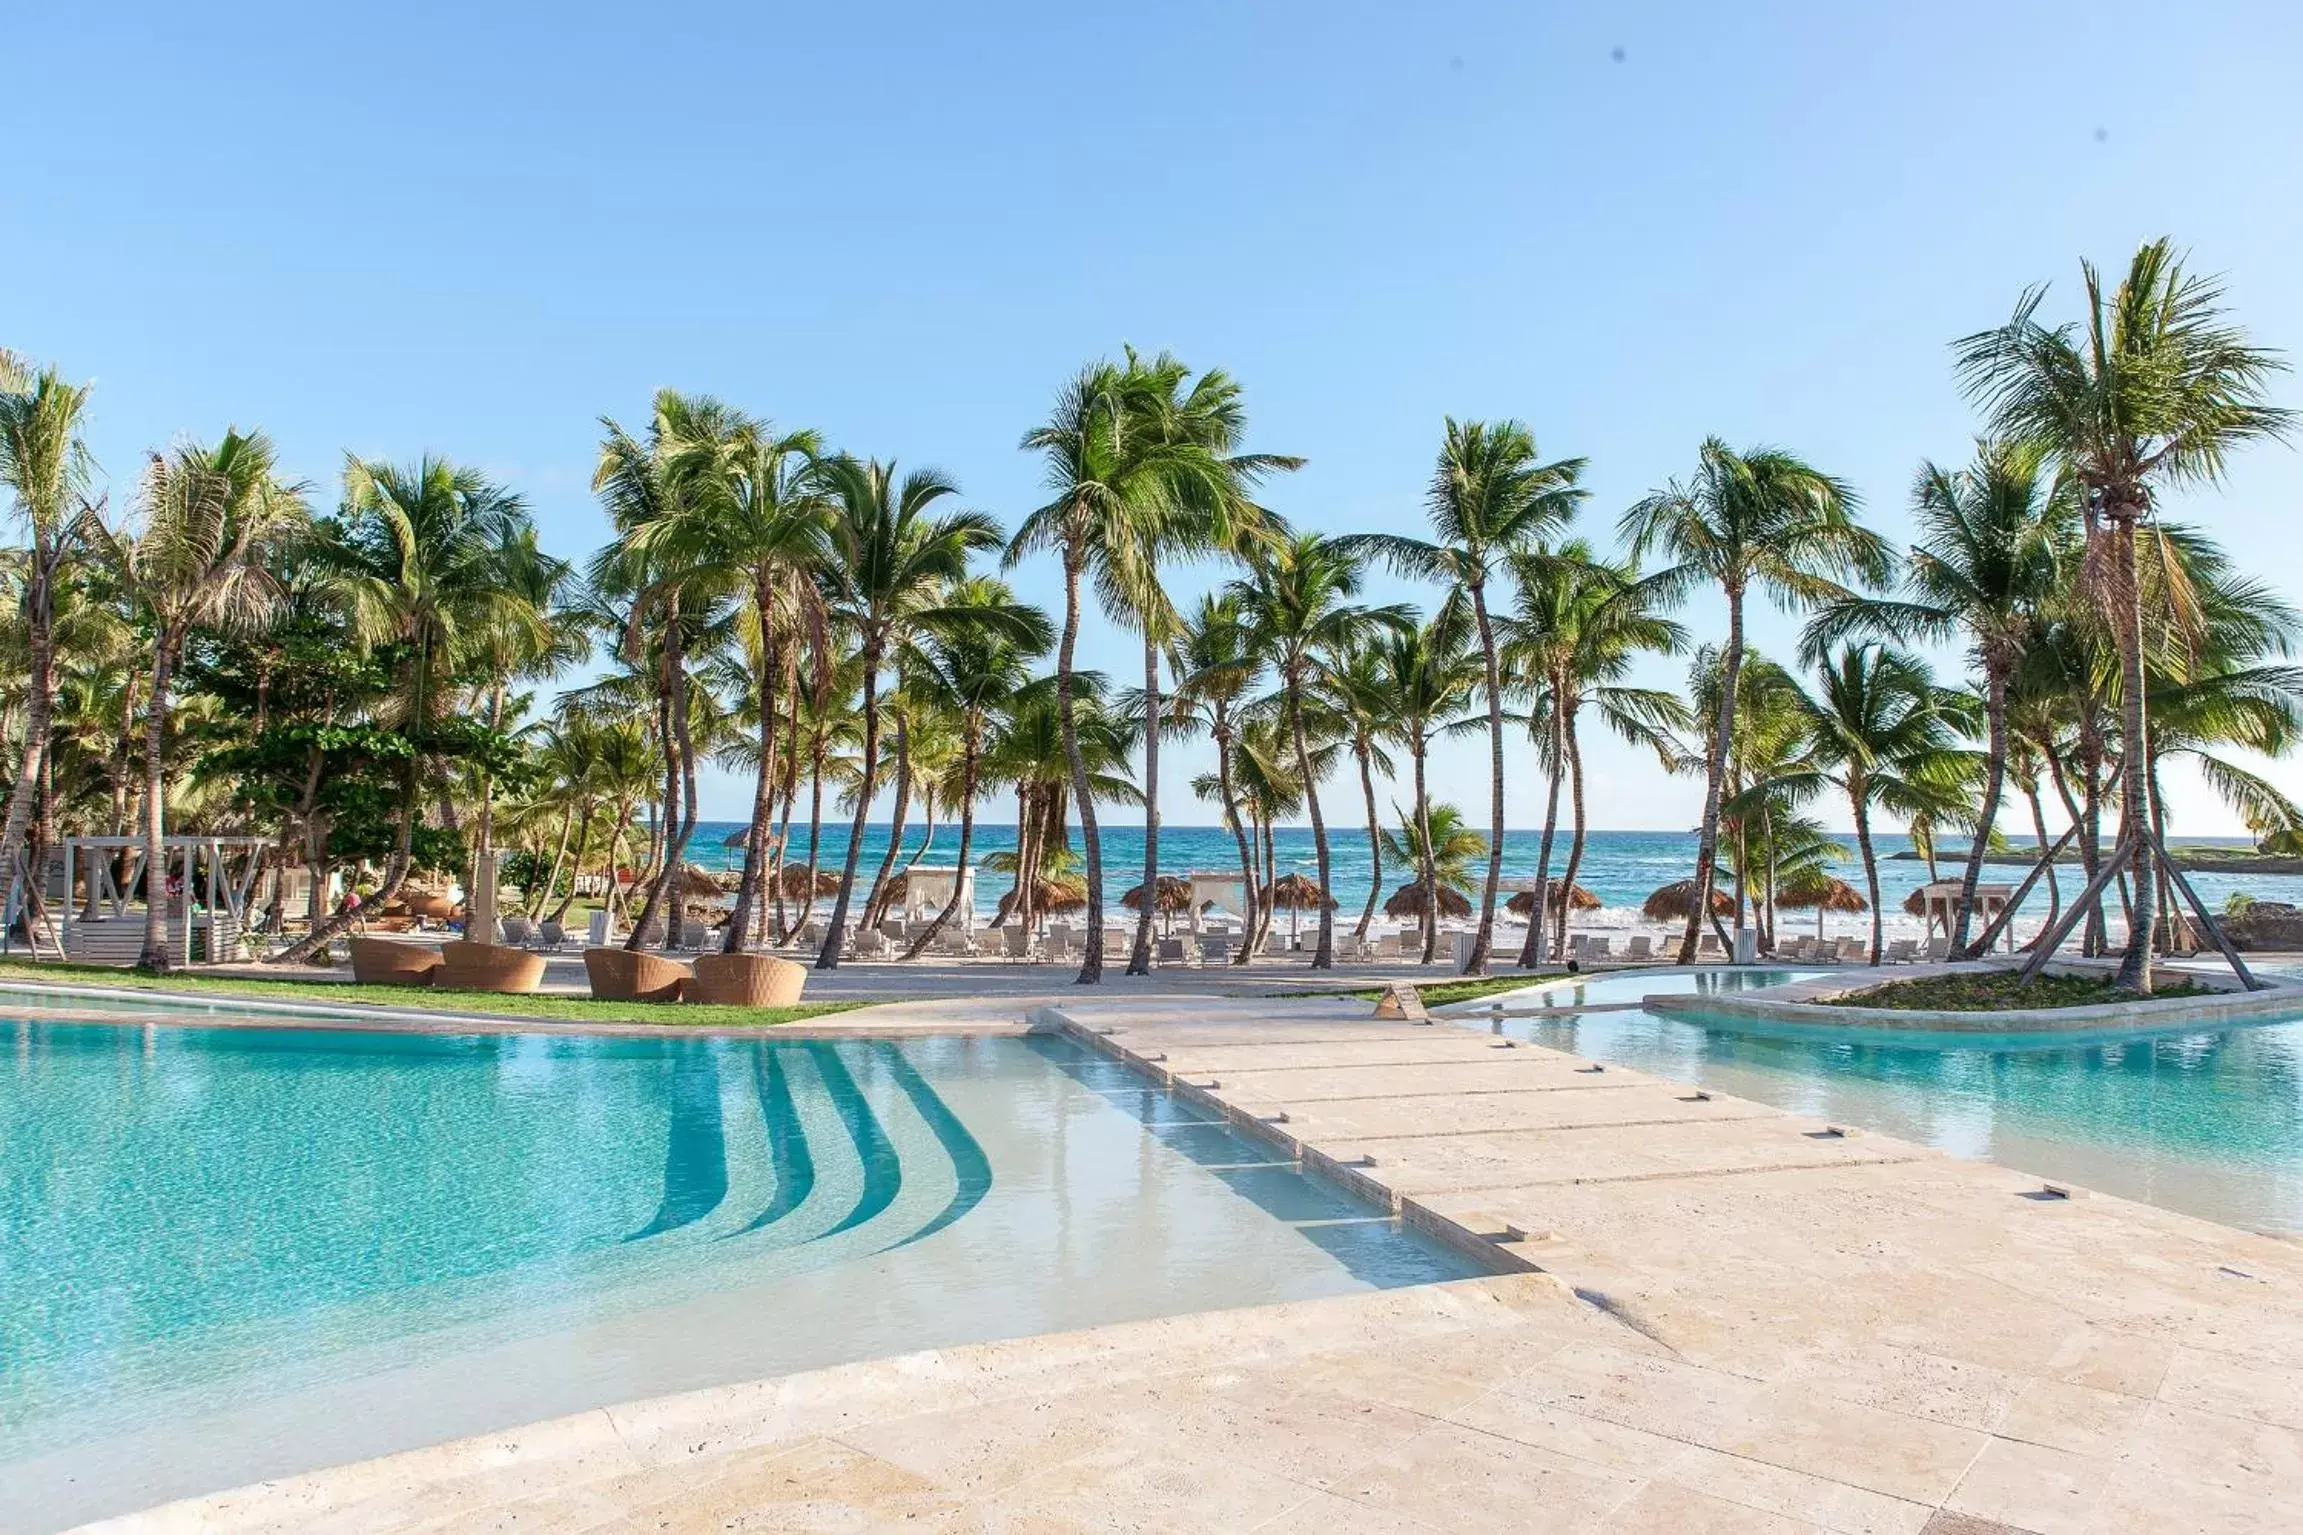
(1739, 1320)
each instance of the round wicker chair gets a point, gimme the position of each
(746, 980)
(623, 975)
(382, 962)
(488, 967)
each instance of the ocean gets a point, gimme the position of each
(1620, 867)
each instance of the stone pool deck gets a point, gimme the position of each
(1730, 1319)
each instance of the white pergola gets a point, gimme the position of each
(108, 929)
(1940, 906)
(927, 887)
(1226, 890)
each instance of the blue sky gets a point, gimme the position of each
(474, 229)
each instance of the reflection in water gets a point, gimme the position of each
(2209, 1122)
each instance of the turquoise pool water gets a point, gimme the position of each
(227, 1253)
(1611, 989)
(2205, 1121)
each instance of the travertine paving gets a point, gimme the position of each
(1735, 1319)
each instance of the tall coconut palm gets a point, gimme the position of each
(1757, 521)
(1577, 627)
(1430, 673)
(1359, 696)
(45, 467)
(1491, 496)
(1991, 556)
(2153, 389)
(1295, 601)
(976, 671)
(1876, 729)
(213, 520)
(894, 562)
(416, 557)
(1217, 668)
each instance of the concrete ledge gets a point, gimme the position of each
(1806, 1004)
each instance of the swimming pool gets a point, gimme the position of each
(1623, 988)
(234, 1252)
(2207, 1121)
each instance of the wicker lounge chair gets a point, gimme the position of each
(621, 975)
(488, 967)
(746, 980)
(381, 962)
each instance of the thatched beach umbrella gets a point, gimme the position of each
(1674, 901)
(1578, 899)
(1174, 896)
(1297, 894)
(1916, 902)
(1407, 901)
(1048, 895)
(795, 882)
(1827, 895)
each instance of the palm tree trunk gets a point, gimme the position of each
(763, 786)
(876, 906)
(1715, 777)
(154, 957)
(1428, 872)
(1476, 962)
(815, 830)
(537, 897)
(1323, 957)
(969, 748)
(2046, 851)
(2135, 766)
(828, 957)
(1092, 963)
(1531, 952)
(1860, 797)
(1575, 838)
(576, 864)
(17, 874)
(1231, 816)
(1139, 957)
(671, 711)
(1994, 779)
(1374, 840)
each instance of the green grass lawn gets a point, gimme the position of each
(2000, 990)
(423, 999)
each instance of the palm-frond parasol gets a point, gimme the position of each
(1578, 898)
(1407, 901)
(1674, 901)
(1825, 895)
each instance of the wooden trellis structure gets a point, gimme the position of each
(108, 929)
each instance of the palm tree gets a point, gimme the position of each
(2154, 388)
(1217, 667)
(1990, 558)
(1759, 520)
(1136, 472)
(976, 671)
(1491, 496)
(1294, 601)
(1360, 699)
(45, 467)
(1876, 729)
(1436, 840)
(893, 564)
(417, 557)
(1578, 626)
(213, 519)
(1429, 673)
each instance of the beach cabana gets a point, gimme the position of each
(925, 889)
(1939, 904)
(1214, 887)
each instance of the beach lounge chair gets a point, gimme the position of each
(1059, 944)
(385, 962)
(1017, 942)
(746, 980)
(623, 975)
(1641, 947)
(466, 966)
(1796, 949)
(1902, 951)
(869, 944)
(1853, 951)
(552, 934)
(519, 932)
(1168, 951)
(1708, 946)
(1597, 950)
(1215, 948)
